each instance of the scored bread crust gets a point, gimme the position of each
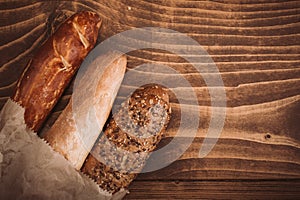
(137, 127)
(51, 69)
(66, 136)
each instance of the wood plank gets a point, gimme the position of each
(283, 189)
(230, 159)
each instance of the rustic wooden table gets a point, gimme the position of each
(256, 47)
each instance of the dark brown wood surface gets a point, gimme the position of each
(256, 47)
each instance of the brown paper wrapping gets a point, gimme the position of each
(30, 169)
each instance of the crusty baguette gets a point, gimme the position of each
(137, 128)
(76, 129)
(49, 72)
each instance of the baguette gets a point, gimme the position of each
(137, 128)
(76, 129)
(50, 71)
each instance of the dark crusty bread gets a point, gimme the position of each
(137, 127)
(49, 72)
(66, 136)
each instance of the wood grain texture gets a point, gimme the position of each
(214, 189)
(256, 47)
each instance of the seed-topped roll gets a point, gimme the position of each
(134, 131)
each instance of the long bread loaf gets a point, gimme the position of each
(49, 72)
(133, 132)
(78, 126)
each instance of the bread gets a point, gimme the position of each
(133, 132)
(75, 131)
(49, 72)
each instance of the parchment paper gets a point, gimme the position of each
(30, 169)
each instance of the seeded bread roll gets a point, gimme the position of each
(77, 128)
(50, 71)
(133, 132)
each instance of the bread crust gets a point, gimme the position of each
(66, 136)
(52, 68)
(137, 127)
